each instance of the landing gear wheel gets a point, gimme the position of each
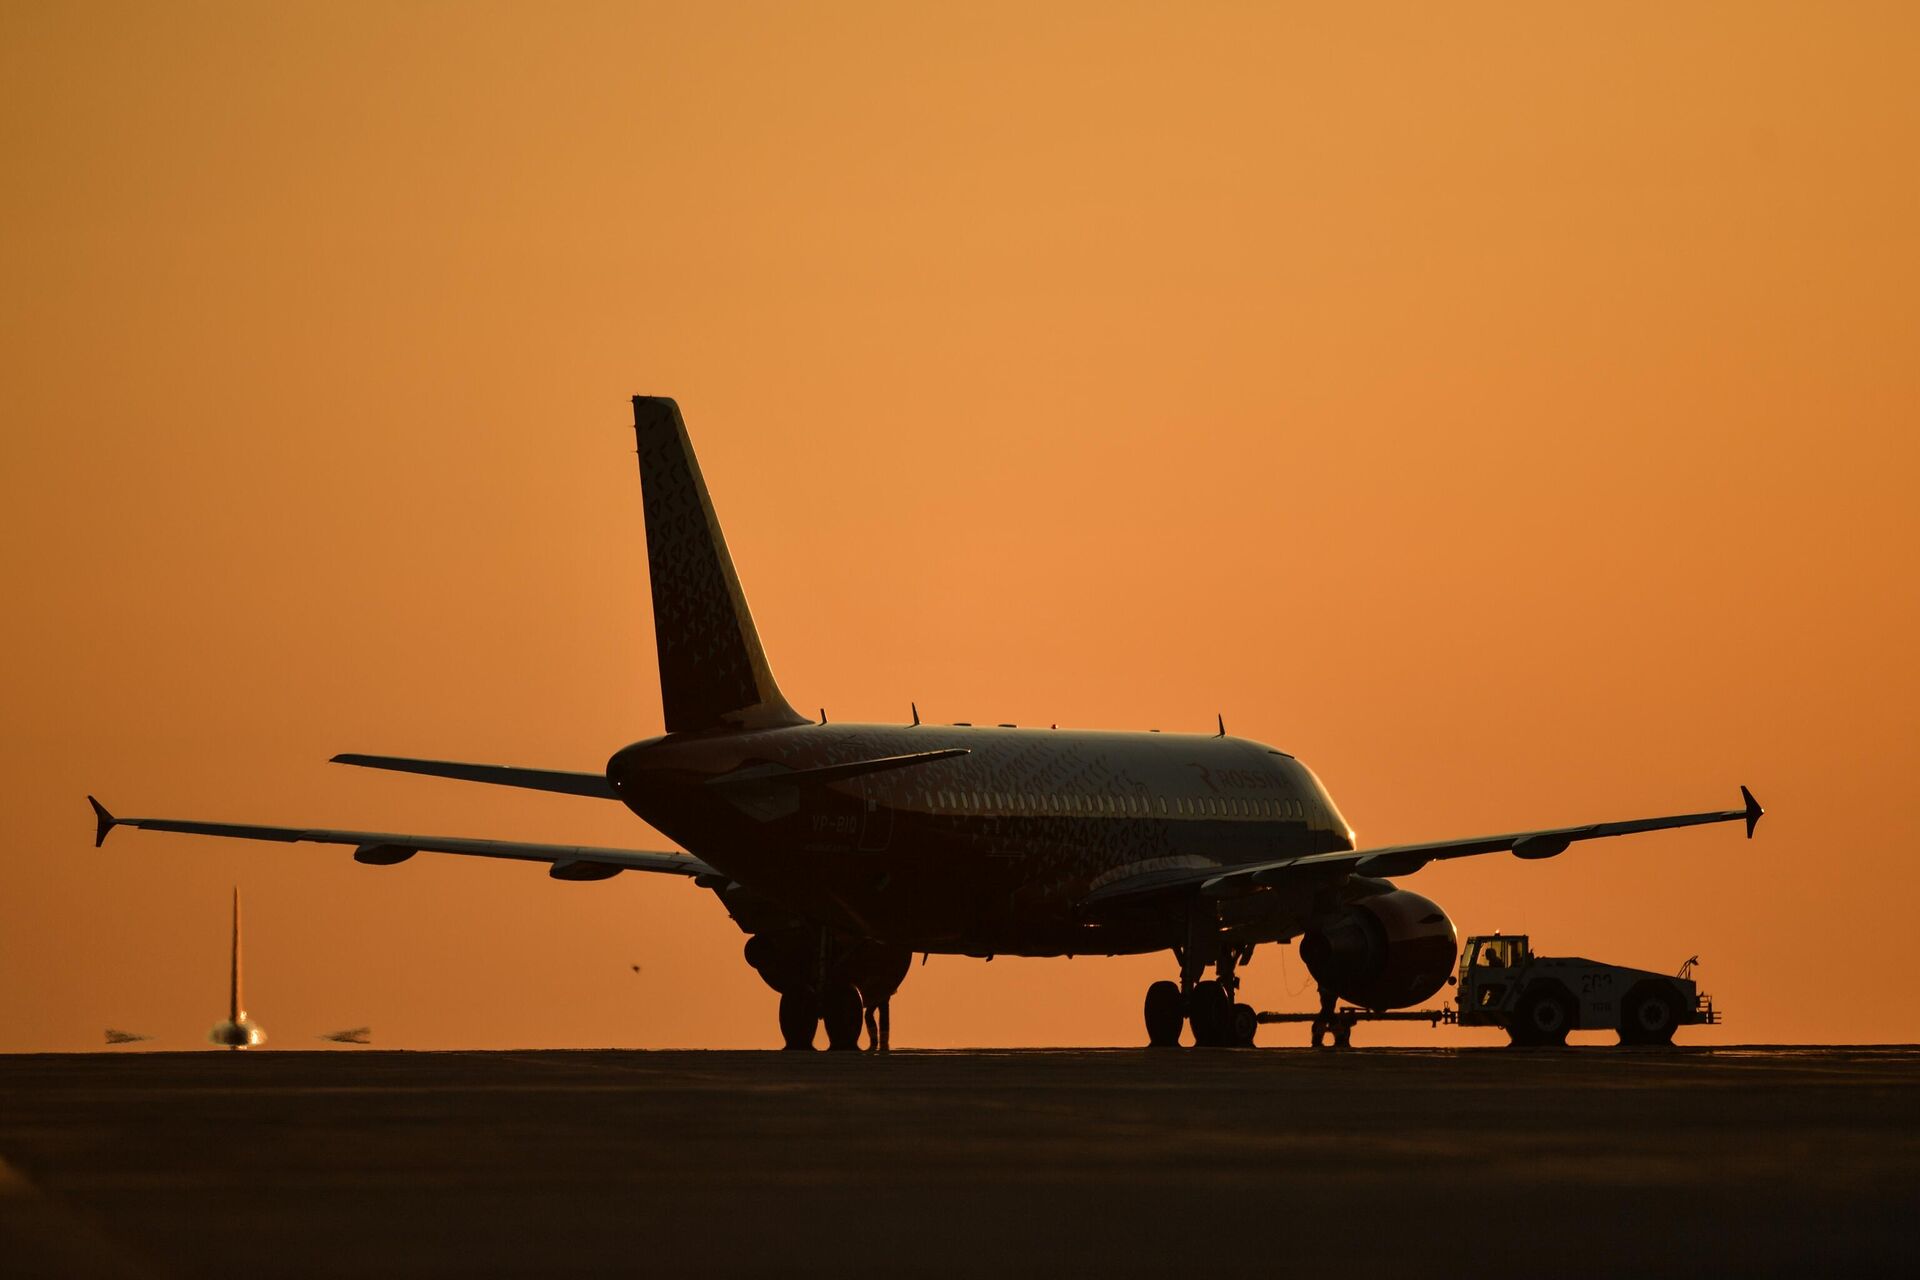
(841, 1010)
(1544, 1017)
(1246, 1024)
(799, 1015)
(1166, 1015)
(1343, 1033)
(1210, 1010)
(1649, 1015)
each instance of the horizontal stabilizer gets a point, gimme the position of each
(499, 775)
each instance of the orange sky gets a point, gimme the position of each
(1511, 413)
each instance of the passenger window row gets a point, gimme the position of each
(1120, 805)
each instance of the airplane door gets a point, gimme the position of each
(876, 819)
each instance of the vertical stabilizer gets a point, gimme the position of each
(238, 1031)
(713, 672)
(234, 1011)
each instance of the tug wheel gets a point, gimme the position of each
(1649, 1015)
(1543, 1017)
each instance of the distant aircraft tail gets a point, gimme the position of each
(238, 1031)
(713, 672)
(234, 1011)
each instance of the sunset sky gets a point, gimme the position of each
(1511, 412)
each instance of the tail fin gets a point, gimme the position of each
(233, 995)
(713, 672)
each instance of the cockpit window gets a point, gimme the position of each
(1500, 953)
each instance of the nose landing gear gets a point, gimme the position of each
(1205, 1004)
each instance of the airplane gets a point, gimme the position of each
(125, 1037)
(352, 1035)
(236, 1030)
(842, 850)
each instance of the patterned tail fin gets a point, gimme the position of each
(713, 672)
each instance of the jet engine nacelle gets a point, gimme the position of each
(1384, 952)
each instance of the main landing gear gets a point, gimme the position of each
(803, 1009)
(842, 984)
(1205, 1004)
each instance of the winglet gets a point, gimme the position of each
(1754, 811)
(103, 822)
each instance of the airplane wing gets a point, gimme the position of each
(383, 848)
(1401, 859)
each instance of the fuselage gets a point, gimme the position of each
(988, 852)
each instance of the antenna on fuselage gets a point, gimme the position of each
(823, 715)
(916, 713)
(1222, 717)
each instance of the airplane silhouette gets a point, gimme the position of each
(843, 849)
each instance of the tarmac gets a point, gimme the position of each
(1577, 1161)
